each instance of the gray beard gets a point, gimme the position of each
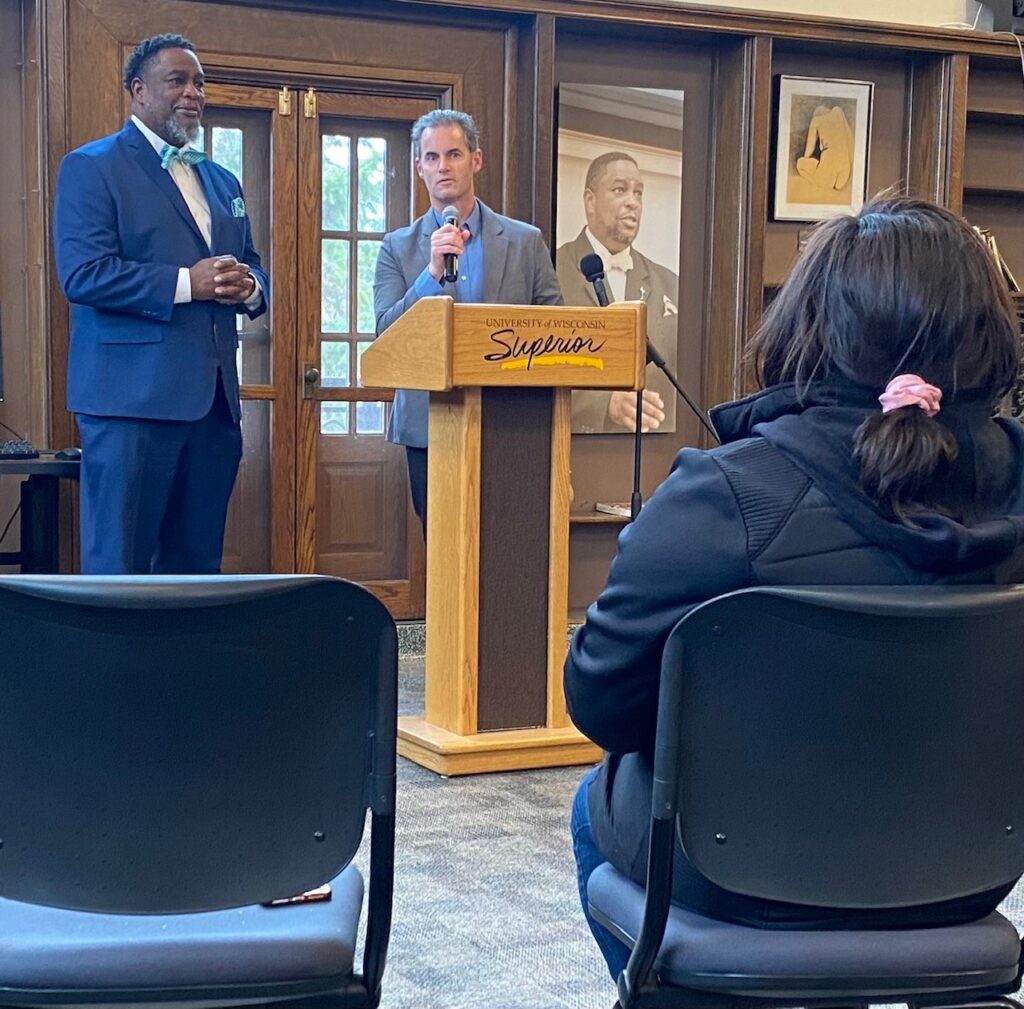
(180, 135)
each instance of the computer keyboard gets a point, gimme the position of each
(16, 449)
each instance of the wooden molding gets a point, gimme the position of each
(739, 207)
(723, 20)
(507, 750)
(936, 126)
(558, 556)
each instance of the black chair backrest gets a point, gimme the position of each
(182, 744)
(853, 747)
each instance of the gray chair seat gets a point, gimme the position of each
(710, 955)
(47, 948)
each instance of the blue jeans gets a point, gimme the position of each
(588, 858)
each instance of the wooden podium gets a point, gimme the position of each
(498, 495)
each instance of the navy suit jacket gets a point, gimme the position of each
(121, 232)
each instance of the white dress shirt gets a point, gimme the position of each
(187, 181)
(616, 266)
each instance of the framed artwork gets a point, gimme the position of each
(822, 138)
(619, 196)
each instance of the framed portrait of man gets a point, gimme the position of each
(619, 196)
(821, 159)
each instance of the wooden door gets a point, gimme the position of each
(251, 131)
(354, 516)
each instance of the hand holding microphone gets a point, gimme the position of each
(447, 243)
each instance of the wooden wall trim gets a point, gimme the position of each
(529, 142)
(738, 208)
(956, 137)
(56, 139)
(936, 118)
(37, 203)
(804, 28)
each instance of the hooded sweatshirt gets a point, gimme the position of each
(777, 503)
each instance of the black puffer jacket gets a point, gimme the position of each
(778, 503)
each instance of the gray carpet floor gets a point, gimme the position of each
(486, 912)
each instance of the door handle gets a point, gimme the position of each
(310, 377)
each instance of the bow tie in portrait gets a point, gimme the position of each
(620, 261)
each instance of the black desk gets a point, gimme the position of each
(40, 510)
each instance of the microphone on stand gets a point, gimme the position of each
(593, 270)
(592, 267)
(451, 262)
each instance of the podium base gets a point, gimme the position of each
(450, 754)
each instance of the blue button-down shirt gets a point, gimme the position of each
(469, 288)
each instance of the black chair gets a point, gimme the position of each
(175, 753)
(852, 748)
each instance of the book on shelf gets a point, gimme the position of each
(619, 508)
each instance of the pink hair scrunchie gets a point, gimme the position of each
(911, 390)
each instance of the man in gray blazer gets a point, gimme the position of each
(500, 260)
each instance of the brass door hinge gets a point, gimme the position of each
(284, 102)
(309, 104)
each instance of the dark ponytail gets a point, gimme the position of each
(905, 457)
(902, 287)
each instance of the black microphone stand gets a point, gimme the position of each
(655, 357)
(636, 501)
(592, 269)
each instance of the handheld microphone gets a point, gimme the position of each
(593, 269)
(451, 262)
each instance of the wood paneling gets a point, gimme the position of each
(990, 182)
(994, 160)
(612, 16)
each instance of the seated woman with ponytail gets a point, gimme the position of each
(871, 456)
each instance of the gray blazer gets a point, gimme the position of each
(517, 271)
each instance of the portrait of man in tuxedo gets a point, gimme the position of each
(613, 203)
(154, 252)
(500, 260)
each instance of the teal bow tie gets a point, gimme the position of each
(183, 155)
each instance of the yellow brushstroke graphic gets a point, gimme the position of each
(553, 362)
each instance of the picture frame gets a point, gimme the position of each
(822, 140)
(633, 205)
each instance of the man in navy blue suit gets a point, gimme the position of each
(154, 252)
